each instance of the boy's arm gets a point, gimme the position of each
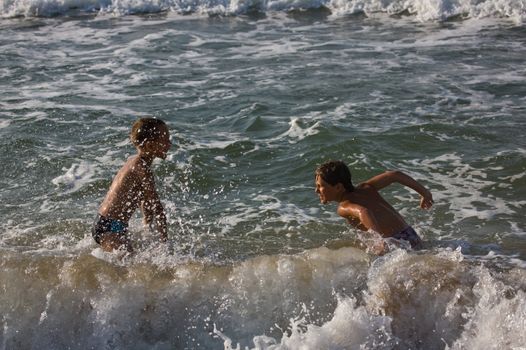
(387, 178)
(358, 216)
(154, 212)
(152, 208)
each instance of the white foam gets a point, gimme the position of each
(297, 131)
(236, 214)
(462, 188)
(433, 10)
(424, 10)
(414, 301)
(220, 141)
(288, 212)
(351, 327)
(402, 300)
(4, 123)
(496, 319)
(76, 177)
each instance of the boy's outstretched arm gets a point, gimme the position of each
(387, 178)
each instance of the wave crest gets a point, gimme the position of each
(423, 10)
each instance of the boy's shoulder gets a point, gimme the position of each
(365, 186)
(136, 165)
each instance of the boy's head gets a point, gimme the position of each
(335, 172)
(151, 134)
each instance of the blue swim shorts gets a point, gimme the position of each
(103, 226)
(409, 234)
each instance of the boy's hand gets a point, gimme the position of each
(426, 200)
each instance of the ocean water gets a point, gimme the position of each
(257, 94)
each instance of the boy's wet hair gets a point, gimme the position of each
(146, 129)
(334, 172)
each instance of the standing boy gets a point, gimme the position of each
(134, 186)
(363, 206)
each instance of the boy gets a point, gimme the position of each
(363, 206)
(134, 186)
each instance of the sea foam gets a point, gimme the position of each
(414, 301)
(423, 10)
(77, 176)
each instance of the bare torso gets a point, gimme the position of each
(127, 190)
(366, 209)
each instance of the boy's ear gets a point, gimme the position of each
(339, 186)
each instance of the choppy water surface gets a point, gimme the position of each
(255, 101)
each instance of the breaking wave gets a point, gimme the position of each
(423, 10)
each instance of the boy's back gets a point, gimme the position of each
(126, 191)
(367, 209)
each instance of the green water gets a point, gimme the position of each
(254, 105)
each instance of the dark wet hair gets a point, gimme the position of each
(146, 129)
(334, 172)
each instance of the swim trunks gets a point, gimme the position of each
(104, 225)
(409, 234)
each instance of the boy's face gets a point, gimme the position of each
(160, 146)
(326, 191)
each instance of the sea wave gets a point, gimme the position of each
(319, 299)
(422, 10)
(462, 305)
